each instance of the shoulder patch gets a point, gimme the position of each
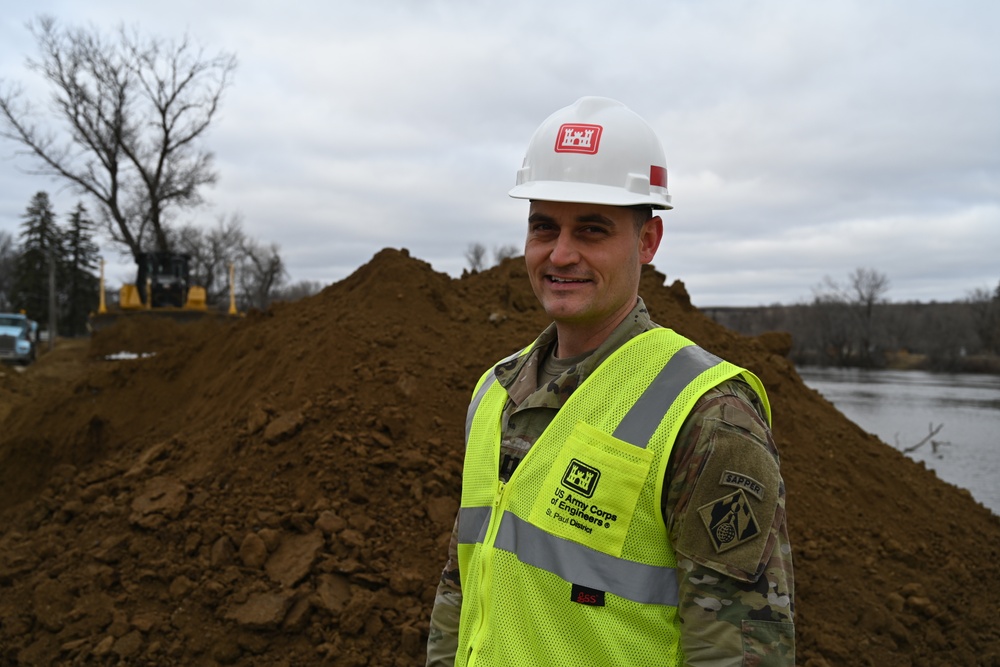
(730, 521)
(733, 505)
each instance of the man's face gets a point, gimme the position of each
(584, 261)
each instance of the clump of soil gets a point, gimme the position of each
(279, 490)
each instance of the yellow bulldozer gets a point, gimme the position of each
(162, 289)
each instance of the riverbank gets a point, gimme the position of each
(975, 363)
(902, 360)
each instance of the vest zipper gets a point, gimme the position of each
(486, 570)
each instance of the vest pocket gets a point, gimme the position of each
(592, 490)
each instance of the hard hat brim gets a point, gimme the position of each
(587, 193)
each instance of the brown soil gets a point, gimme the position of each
(280, 490)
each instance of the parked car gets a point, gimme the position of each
(18, 338)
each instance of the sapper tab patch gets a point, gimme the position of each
(730, 478)
(730, 521)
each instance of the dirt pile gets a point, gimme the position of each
(280, 490)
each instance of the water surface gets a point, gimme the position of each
(901, 407)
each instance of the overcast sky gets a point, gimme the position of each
(803, 139)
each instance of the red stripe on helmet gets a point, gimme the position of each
(658, 176)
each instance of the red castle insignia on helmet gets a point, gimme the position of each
(578, 138)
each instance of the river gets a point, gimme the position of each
(901, 407)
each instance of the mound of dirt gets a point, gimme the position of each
(279, 490)
(138, 332)
(10, 387)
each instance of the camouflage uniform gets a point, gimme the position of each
(736, 605)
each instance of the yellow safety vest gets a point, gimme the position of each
(569, 562)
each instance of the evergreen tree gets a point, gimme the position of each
(8, 257)
(79, 284)
(40, 245)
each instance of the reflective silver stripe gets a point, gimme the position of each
(474, 405)
(478, 398)
(472, 524)
(575, 563)
(643, 418)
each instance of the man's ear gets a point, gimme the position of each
(649, 238)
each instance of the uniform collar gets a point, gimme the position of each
(519, 376)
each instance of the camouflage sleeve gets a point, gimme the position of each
(725, 513)
(442, 639)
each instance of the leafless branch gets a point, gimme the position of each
(131, 113)
(932, 431)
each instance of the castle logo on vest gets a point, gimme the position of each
(730, 521)
(581, 478)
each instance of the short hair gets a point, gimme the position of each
(641, 214)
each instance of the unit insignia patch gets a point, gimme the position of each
(730, 521)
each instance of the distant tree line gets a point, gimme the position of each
(853, 324)
(67, 257)
(259, 272)
(476, 255)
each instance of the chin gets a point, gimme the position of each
(563, 314)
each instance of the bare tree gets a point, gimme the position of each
(476, 256)
(868, 287)
(500, 253)
(260, 273)
(211, 253)
(865, 288)
(133, 112)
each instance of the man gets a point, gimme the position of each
(622, 502)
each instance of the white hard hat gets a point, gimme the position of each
(595, 151)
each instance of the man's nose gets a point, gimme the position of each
(564, 252)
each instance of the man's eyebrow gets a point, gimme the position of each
(588, 218)
(598, 218)
(540, 217)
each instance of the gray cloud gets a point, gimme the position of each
(802, 140)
